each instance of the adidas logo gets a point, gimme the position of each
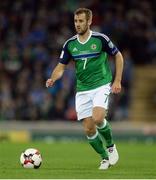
(75, 49)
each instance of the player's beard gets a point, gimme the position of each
(83, 31)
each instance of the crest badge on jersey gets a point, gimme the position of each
(93, 46)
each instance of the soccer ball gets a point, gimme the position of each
(31, 158)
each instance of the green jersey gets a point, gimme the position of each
(91, 60)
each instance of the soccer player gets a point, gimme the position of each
(90, 50)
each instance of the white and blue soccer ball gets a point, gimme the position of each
(31, 158)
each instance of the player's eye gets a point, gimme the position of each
(81, 21)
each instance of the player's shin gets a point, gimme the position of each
(96, 142)
(106, 131)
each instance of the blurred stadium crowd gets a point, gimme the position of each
(32, 33)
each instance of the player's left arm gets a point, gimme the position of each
(112, 50)
(116, 86)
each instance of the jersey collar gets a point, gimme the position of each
(90, 34)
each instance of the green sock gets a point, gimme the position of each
(96, 142)
(106, 131)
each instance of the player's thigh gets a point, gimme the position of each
(98, 115)
(89, 126)
(84, 106)
(101, 97)
(100, 104)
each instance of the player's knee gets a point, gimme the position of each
(99, 115)
(98, 119)
(90, 131)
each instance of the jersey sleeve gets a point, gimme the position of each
(65, 56)
(108, 46)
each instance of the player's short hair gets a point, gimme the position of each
(86, 11)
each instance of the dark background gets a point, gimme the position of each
(32, 33)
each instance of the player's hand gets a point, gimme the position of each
(49, 83)
(116, 87)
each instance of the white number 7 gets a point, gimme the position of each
(85, 62)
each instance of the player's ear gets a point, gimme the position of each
(90, 21)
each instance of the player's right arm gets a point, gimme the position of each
(59, 69)
(56, 74)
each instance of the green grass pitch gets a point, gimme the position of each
(76, 160)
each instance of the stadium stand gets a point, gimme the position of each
(31, 36)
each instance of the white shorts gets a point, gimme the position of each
(86, 100)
